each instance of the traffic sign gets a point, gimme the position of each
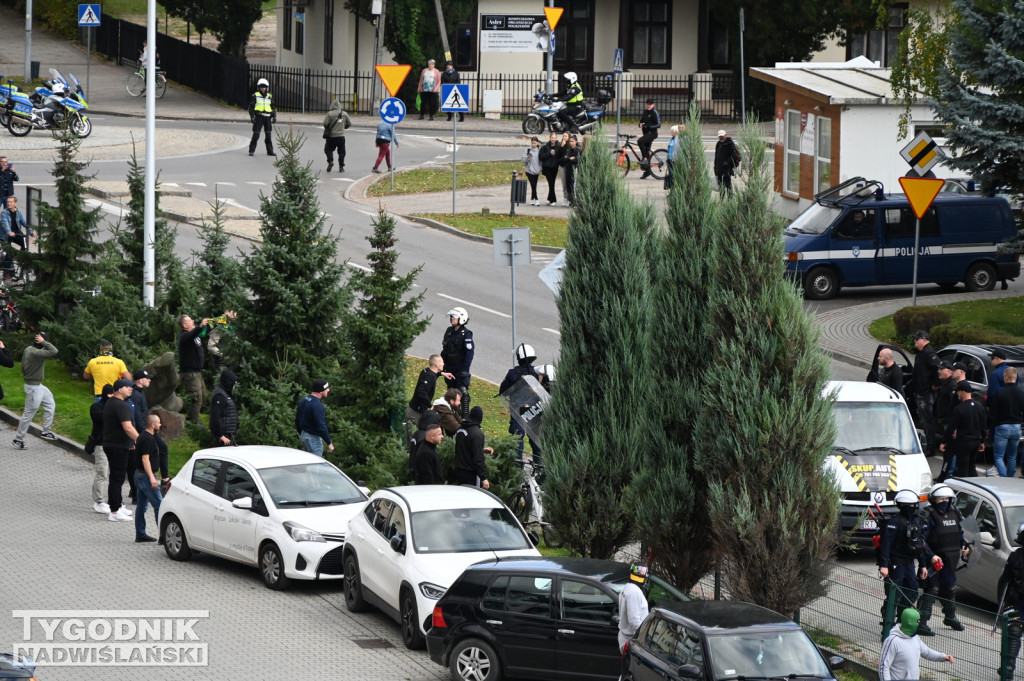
(88, 15)
(454, 97)
(553, 14)
(921, 191)
(299, 17)
(393, 76)
(392, 110)
(922, 153)
(617, 61)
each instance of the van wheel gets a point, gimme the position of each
(821, 283)
(981, 276)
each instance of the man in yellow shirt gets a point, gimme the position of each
(105, 369)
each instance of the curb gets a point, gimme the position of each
(64, 443)
(845, 358)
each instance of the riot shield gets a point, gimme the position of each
(526, 401)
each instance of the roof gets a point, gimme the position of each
(602, 570)
(439, 497)
(1009, 491)
(845, 84)
(861, 391)
(726, 616)
(260, 456)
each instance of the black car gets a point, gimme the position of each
(722, 640)
(554, 618)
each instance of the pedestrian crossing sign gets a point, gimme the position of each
(88, 15)
(454, 97)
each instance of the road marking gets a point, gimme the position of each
(372, 215)
(554, 331)
(105, 207)
(225, 184)
(343, 179)
(258, 184)
(443, 155)
(169, 184)
(358, 267)
(196, 184)
(479, 307)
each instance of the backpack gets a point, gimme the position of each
(736, 158)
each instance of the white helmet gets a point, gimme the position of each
(905, 496)
(548, 370)
(570, 76)
(58, 89)
(941, 491)
(525, 354)
(459, 312)
(262, 82)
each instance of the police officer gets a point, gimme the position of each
(263, 116)
(901, 544)
(926, 383)
(457, 352)
(1011, 592)
(573, 98)
(944, 546)
(965, 434)
(525, 355)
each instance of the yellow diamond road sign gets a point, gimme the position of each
(922, 153)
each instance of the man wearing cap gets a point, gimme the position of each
(311, 419)
(650, 121)
(726, 154)
(632, 604)
(470, 465)
(926, 384)
(104, 369)
(140, 406)
(450, 75)
(119, 436)
(965, 434)
(995, 379)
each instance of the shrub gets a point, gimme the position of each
(912, 318)
(947, 334)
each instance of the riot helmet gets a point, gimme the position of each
(525, 354)
(941, 491)
(59, 89)
(548, 370)
(460, 313)
(570, 76)
(262, 82)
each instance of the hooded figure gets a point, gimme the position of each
(427, 418)
(470, 466)
(223, 412)
(902, 650)
(335, 123)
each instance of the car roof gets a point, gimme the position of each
(1014, 353)
(721, 617)
(861, 391)
(870, 202)
(601, 570)
(1009, 491)
(441, 497)
(259, 456)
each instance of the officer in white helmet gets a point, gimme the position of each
(944, 546)
(902, 543)
(572, 95)
(525, 356)
(263, 116)
(1011, 595)
(457, 350)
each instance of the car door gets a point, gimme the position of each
(200, 501)
(897, 261)
(234, 529)
(990, 552)
(392, 565)
(852, 244)
(968, 579)
(648, 656)
(370, 545)
(588, 630)
(517, 610)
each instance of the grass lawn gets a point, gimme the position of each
(543, 231)
(1004, 314)
(439, 178)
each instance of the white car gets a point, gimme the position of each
(411, 543)
(281, 509)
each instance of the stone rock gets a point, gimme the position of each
(172, 423)
(164, 384)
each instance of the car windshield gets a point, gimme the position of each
(1014, 516)
(765, 654)
(657, 590)
(464, 530)
(309, 484)
(875, 425)
(814, 220)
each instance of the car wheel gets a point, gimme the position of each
(353, 586)
(175, 543)
(411, 634)
(981, 276)
(272, 567)
(474, 660)
(821, 283)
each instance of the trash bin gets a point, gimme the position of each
(35, 70)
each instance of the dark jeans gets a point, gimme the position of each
(552, 175)
(261, 124)
(332, 143)
(117, 457)
(533, 185)
(645, 143)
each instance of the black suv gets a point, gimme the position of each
(555, 618)
(719, 640)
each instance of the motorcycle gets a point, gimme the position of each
(70, 111)
(5, 93)
(546, 108)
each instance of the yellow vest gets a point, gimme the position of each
(578, 97)
(263, 104)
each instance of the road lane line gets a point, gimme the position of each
(554, 331)
(479, 307)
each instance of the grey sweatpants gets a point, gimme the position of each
(37, 396)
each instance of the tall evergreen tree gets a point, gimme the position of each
(667, 485)
(67, 236)
(598, 418)
(218, 276)
(763, 431)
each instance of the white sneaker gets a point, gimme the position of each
(120, 515)
(124, 509)
(101, 507)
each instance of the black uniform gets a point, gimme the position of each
(263, 116)
(428, 465)
(223, 412)
(901, 544)
(964, 433)
(1011, 590)
(423, 395)
(457, 352)
(891, 376)
(511, 378)
(926, 377)
(650, 121)
(943, 537)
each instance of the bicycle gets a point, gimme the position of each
(659, 159)
(14, 273)
(136, 83)
(527, 507)
(10, 318)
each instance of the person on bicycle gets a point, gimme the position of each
(572, 95)
(525, 355)
(650, 121)
(13, 225)
(144, 57)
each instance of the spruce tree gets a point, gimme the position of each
(67, 236)
(763, 431)
(667, 484)
(598, 421)
(218, 276)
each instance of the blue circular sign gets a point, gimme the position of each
(392, 110)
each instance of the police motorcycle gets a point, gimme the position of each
(546, 108)
(5, 93)
(65, 106)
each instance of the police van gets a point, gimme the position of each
(876, 454)
(857, 235)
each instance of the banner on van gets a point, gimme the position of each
(871, 473)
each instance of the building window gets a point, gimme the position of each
(328, 31)
(286, 38)
(823, 155)
(879, 44)
(791, 161)
(300, 30)
(650, 22)
(465, 47)
(574, 48)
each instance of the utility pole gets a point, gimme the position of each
(149, 211)
(444, 33)
(28, 43)
(379, 8)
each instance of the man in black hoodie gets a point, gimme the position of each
(223, 412)
(427, 469)
(470, 466)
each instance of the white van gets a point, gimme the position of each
(876, 454)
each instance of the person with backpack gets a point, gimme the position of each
(901, 544)
(1011, 592)
(727, 157)
(944, 546)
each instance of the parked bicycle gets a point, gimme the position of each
(527, 504)
(659, 158)
(12, 270)
(136, 83)
(10, 318)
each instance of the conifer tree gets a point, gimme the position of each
(598, 419)
(763, 431)
(218, 276)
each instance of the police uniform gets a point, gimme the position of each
(901, 544)
(457, 352)
(944, 538)
(573, 98)
(1011, 591)
(263, 116)
(511, 378)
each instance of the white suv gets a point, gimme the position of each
(411, 543)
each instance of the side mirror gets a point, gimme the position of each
(689, 671)
(398, 543)
(244, 503)
(534, 537)
(836, 662)
(988, 539)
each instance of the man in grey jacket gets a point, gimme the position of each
(903, 649)
(33, 364)
(336, 122)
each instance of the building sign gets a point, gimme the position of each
(514, 33)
